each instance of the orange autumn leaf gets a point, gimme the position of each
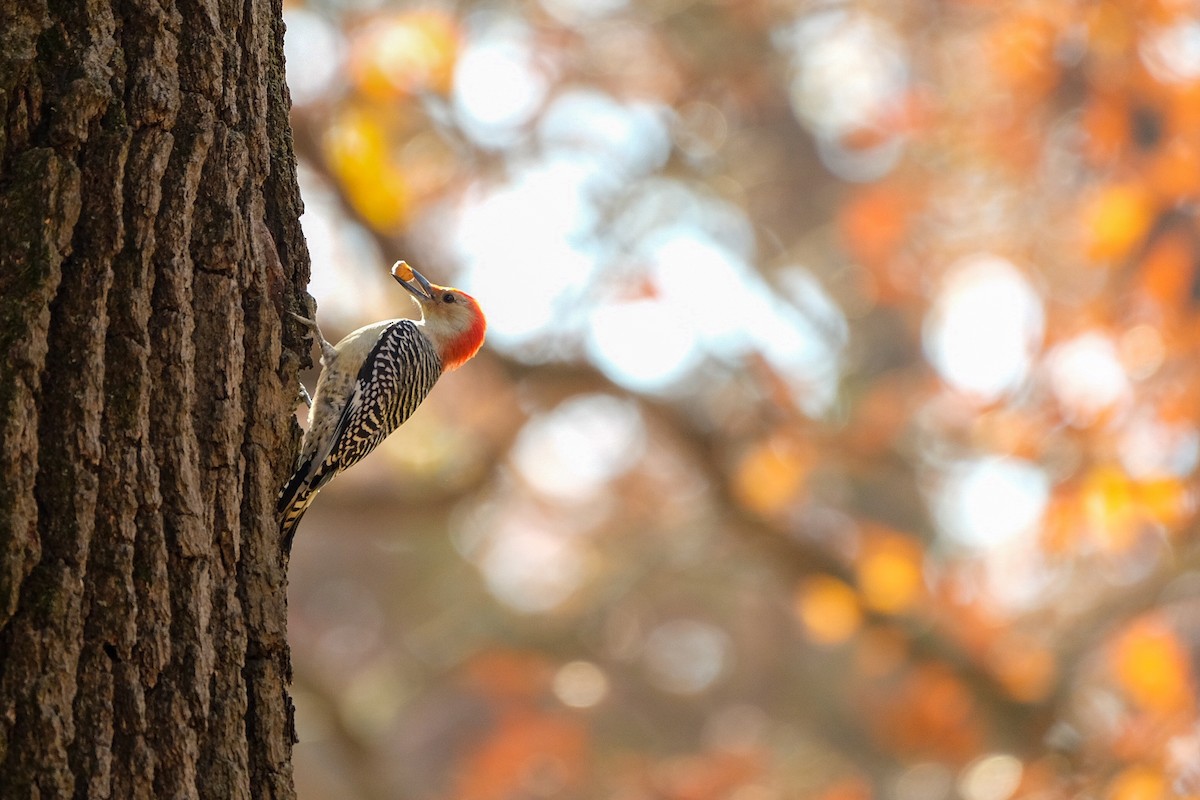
(1114, 507)
(1182, 100)
(1061, 522)
(890, 572)
(526, 752)
(931, 713)
(944, 707)
(1111, 28)
(1025, 668)
(1138, 783)
(509, 674)
(1169, 268)
(771, 475)
(1021, 49)
(1179, 402)
(1175, 171)
(828, 609)
(709, 776)
(1153, 667)
(848, 789)
(1106, 122)
(1115, 219)
(874, 223)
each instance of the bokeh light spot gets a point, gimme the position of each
(988, 502)
(925, 781)
(525, 268)
(629, 137)
(405, 53)
(1142, 351)
(1087, 377)
(531, 566)
(828, 609)
(850, 72)
(984, 328)
(890, 573)
(313, 48)
(1116, 218)
(992, 777)
(1154, 668)
(581, 12)
(580, 684)
(644, 345)
(1172, 52)
(498, 85)
(686, 656)
(573, 451)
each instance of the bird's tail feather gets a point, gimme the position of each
(294, 499)
(291, 519)
(293, 489)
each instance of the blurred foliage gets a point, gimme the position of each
(837, 435)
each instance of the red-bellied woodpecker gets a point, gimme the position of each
(373, 380)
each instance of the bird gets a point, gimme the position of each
(372, 381)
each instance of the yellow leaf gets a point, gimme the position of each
(356, 145)
(405, 53)
(1109, 506)
(1164, 500)
(355, 141)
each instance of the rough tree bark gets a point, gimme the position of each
(149, 247)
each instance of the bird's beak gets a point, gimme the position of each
(422, 291)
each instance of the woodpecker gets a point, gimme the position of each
(372, 381)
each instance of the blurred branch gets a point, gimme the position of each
(1021, 725)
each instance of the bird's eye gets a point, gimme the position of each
(448, 297)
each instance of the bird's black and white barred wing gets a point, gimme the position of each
(395, 377)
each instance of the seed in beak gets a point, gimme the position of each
(402, 271)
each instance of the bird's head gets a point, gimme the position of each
(453, 321)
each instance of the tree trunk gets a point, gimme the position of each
(149, 247)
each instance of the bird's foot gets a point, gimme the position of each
(328, 351)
